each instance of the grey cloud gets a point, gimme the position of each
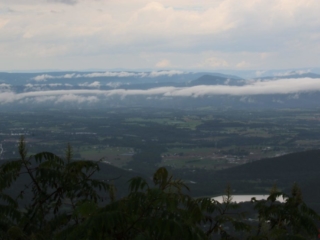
(69, 2)
(154, 30)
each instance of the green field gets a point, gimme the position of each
(202, 138)
(116, 156)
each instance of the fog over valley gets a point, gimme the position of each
(208, 88)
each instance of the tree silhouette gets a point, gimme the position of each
(60, 199)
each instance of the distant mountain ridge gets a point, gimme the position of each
(157, 89)
(217, 80)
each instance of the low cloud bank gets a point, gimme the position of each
(282, 86)
(291, 73)
(4, 86)
(95, 84)
(170, 73)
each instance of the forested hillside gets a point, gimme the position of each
(66, 199)
(259, 176)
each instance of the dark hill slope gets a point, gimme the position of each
(311, 192)
(294, 166)
(259, 176)
(119, 177)
(216, 80)
(114, 175)
(302, 168)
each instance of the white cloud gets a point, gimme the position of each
(169, 73)
(7, 97)
(95, 84)
(69, 75)
(76, 98)
(282, 86)
(4, 86)
(42, 78)
(165, 73)
(111, 74)
(55, 84)
(32, 87)
(114, 84)
(71, 98)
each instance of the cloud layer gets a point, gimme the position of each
(282, 86)
(44, 77)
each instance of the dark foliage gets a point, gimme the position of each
(67, 202)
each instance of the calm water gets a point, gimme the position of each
(245, 198)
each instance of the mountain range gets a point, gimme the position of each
(157, 89)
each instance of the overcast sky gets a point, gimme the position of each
(163, 34)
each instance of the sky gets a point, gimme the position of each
(177, 34)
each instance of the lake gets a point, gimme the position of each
(245, 198)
